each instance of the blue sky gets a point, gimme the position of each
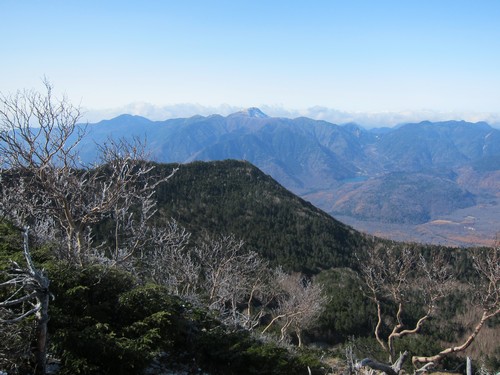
(419, 57)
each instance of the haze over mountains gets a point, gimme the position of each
(367, 119)
(431, 182)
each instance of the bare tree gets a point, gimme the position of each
(38, 130)
(218, 272)
(126, 185)
(170, 261)
(486, 262)
(399, 276)
(231, 278)
(45, 184)
(29, 295)
(42, 177)
(300, 303)
(256, 289)
(37, 133)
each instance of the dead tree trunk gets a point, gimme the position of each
(388, 369)
(35, 285)
(42, 319)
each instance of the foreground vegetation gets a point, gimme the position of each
(106, 321)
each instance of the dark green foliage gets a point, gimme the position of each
(103, 322)
(239, 353)
(420, 345)
(493, 361)
(348, 311)
(87, 330)
(443, 326)
(367, 347)
(15, 353)
(235, 197)
(15, 347)
(11, 244)
(459, 259)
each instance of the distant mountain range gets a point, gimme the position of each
(412, 175)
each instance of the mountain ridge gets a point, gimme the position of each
(330, 164)
(235, 197)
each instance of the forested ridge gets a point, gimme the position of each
(235, 197)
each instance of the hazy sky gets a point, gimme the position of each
(351, 56)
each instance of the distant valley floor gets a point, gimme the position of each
(472, 226)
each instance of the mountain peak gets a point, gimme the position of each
(251, 112)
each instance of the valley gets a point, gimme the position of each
(473, 226)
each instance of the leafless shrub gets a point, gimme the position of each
(300, 303)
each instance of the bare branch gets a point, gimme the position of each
(487, 265)
(17, 301)
(300, 303)
(43, 177)
(22, 316)
(394, 275)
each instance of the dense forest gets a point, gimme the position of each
(236, 197)
(131, 267)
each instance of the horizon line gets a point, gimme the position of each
(368, 119)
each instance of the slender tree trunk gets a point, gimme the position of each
(272, 321)
(40, 350)
(42, 283)
(469, 366)
(299, 337)
(379, 324)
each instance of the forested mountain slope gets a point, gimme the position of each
(234, 197)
